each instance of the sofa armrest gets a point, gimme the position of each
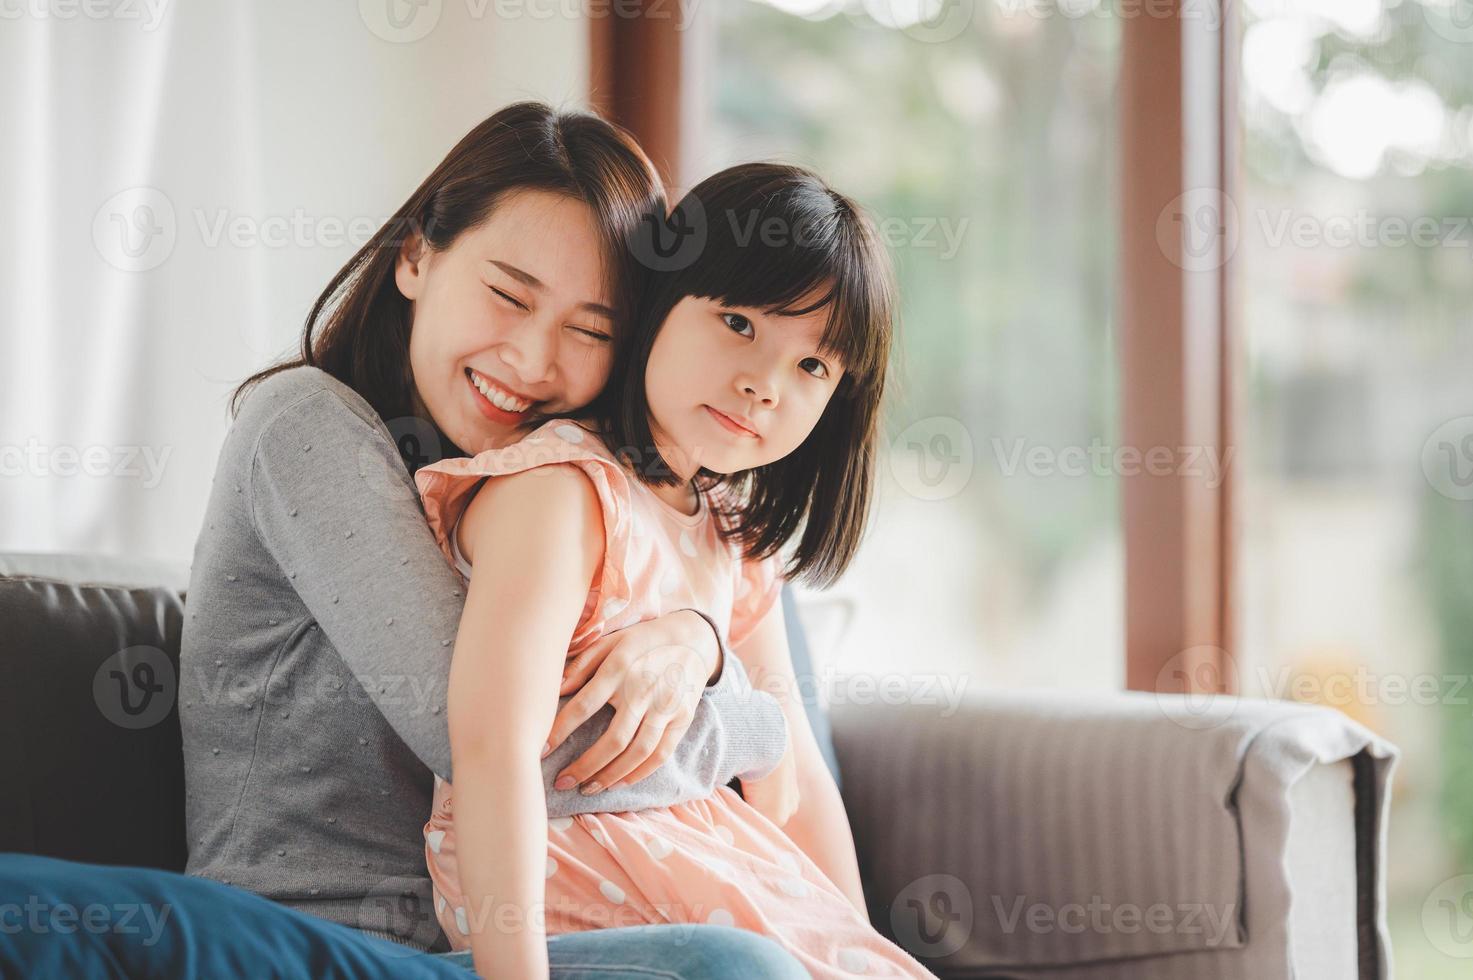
(1129, 835)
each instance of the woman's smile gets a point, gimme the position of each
(496, 401)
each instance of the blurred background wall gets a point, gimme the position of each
(179, 184)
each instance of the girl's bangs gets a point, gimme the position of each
(840, 270)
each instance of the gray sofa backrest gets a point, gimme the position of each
(89, 733)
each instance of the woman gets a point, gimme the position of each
(314, 688)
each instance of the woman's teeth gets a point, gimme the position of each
(493, 395)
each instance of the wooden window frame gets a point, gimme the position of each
(1179, 150)
(1179, 147)
(635, 64)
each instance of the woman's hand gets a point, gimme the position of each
(775, 795)
(653, 674)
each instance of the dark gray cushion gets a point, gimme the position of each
(89, 732)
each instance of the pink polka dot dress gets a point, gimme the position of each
(715, 860)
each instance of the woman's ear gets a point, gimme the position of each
(410, 266)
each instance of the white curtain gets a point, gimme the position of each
(180, 179)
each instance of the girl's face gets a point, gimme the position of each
(514, 315)
(735, 388)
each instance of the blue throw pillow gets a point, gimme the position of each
(67, 919)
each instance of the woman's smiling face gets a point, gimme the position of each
(514, 316)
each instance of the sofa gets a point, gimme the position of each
(1037, 834)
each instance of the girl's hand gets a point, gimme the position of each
(653, 674)
(775, 795)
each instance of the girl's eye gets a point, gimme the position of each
(602, 338)
(510, 299)
(815, 367)
(737, 322)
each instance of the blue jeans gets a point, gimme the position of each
(664, 953)
(85, 921)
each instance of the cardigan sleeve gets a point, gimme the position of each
(335, 506)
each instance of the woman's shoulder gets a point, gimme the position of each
(299, 404)
(298, 391)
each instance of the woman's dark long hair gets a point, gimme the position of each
(358, 330)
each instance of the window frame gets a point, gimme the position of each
(1179, 363)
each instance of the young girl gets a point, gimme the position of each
(740, 415)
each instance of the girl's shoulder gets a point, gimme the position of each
(555, 441)
(447, 487)
(564, 437)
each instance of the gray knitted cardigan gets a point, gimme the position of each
(314, 667)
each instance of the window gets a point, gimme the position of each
(1357, 443)
(983, 148)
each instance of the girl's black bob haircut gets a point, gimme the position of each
(777, 238)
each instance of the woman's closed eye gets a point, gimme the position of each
(508, 297)
(590, 334)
